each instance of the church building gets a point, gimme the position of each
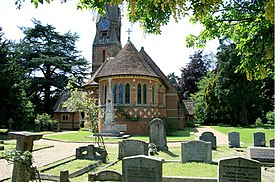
(141, 92)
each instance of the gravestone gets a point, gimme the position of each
(141, 169)
(239, 169)
(2, 148)
(262, 154)
(64, 176)
(128, 148)
(157, 134)
(272, 142)
(91, 152)
(209, 137)
(196, 151)
(106, 175)
(234, 139)
(259, 139)
(24, 142)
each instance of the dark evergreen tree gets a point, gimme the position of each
(194, 71)
(15, 105)
(50, 58)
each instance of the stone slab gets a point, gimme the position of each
(141, 169)
(128, 148)
(239, 169)
(272, 142)
(234, 139)
(262, 154)
(209, 137)
(259, 139)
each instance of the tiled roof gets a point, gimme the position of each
(190, 106)
(127, 62)
(64, 96)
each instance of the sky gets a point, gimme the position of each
(168, 50)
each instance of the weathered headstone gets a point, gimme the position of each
(24, 142)
(157, 134)
(196, 151)
(106, 175)
(234, 139)
(262, 154)
(259, 139)
(128, 148)
(239, 169)
(272, 142)
(209, 137)
(91, 152)
(64, 176)
(141, 168)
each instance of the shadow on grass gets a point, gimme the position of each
(186, 132)
(170, 153)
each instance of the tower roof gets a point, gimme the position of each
(127, 62)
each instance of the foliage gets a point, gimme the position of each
(81, 101)
(250, 26)
(228, 97)
(270, 117)
(258, 122)
(46, 122)
(49, 58)
(15, 103)
(194, 71)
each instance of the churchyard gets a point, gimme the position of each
(185, 157)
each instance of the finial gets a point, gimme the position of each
(129, 32)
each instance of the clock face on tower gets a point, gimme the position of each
(104, 24)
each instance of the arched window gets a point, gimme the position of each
(153, 95)
(144, 94)
(127, 93)
(139, 93)
(120, 93)
(114, 93)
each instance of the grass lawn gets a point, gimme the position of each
(86, 136)
(246, 133)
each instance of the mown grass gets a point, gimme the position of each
(86, 136)
(246, 133)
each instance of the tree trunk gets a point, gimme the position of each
(47, 91)
(244, 114)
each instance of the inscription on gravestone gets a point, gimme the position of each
(141, 169)
(262, 154)
(239, 169)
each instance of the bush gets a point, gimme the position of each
(258, 122)
(46, 122)
(270, 116)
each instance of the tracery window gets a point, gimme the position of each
(153, 95)
(120, 93)
(139, 93)
(144, 94)
(114, 93)
(127, 93)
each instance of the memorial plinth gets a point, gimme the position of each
(24, 142)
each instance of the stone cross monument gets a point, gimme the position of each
(109, 126)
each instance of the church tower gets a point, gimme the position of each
(107, 41)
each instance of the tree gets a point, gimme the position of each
(228, 97)
(50, 58)
(14, 102)
(194, 71)
(247, 24)
(173, 79)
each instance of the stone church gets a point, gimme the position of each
(141, 92)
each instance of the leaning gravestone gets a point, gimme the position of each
(141, 169)
(196, 151)
(24, 142)
(239, 169)
(272, 142)
(157, 134)
(209, 137)
(128, 148)
(259, 139)
(234, 139)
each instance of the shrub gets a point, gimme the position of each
(46, 122)
(258, 122)
(270, 116)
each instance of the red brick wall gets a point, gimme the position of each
(72, 123)
(138, 128)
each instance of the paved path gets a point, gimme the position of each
(222, 139)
